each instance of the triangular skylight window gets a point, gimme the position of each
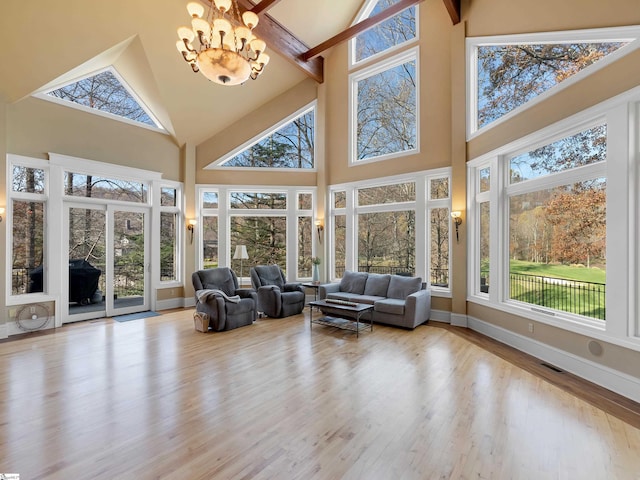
(105, 92)
(288, 144)
(392, 32)
(510, 71)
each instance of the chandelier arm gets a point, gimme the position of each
(186, 45)
(203, 41)
(258, 52)
(194, 67)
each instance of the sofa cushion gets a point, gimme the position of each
(401, 287)
(340, 296)
(394, 306)
(353, 282)
(377, 285)
(370, 299)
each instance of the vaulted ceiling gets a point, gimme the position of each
(46, 43)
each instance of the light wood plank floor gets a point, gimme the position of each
(154, 399)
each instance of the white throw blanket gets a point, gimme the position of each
(204, 295)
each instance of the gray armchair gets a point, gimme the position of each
(276, 297)
(218, 295)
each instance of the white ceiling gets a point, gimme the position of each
(46, 43)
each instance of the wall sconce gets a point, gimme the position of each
(457, 218)
(1, 213)
(320, 229)
(191, 224)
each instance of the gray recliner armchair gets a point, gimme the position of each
(276, 297)
(217, 294)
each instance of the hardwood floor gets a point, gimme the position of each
(153, 398)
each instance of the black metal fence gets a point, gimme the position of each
(439, 277)
(582, 298)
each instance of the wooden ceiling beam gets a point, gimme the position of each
(453, 7)
(282, 41)
(359, 27)
(263, 6)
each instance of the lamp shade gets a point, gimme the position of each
(240, 253)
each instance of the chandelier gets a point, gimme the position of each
(229, 53)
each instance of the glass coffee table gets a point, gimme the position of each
(341, 314)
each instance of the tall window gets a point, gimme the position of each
(288, 144)
(27, 210)
(385, 109)
(169, 221)
(391, 223)
(384, 94)
(209, 238)
(305, 234)
(439, 221)
(509, 71)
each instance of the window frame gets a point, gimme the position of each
(627, 33)
(45, 295)
(178, 210)
(224, 214)
(44, 95)
(309, 107)
(405, 56)
(621, 115)
(422, 207)
(365, 12)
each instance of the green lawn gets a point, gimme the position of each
(584, 299)
(581, 274)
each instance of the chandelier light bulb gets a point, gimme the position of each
(250, 19)
(195, 9)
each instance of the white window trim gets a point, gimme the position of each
(44, 95)
(364, 13)
(312, 106)
(178, 209)
(412, 54)
(224, 214)
(422, 207)
(19, 160)
(616, 34)
(622, 114)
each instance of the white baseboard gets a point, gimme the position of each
(459, 320)
(440, 316)
(188, 302)
(12, 328)
(606, 377)
(170, 303)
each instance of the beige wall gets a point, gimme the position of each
(435, 105)
(247, 128)
(36, 127)
(612, 356)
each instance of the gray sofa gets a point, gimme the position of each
(397, 300)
